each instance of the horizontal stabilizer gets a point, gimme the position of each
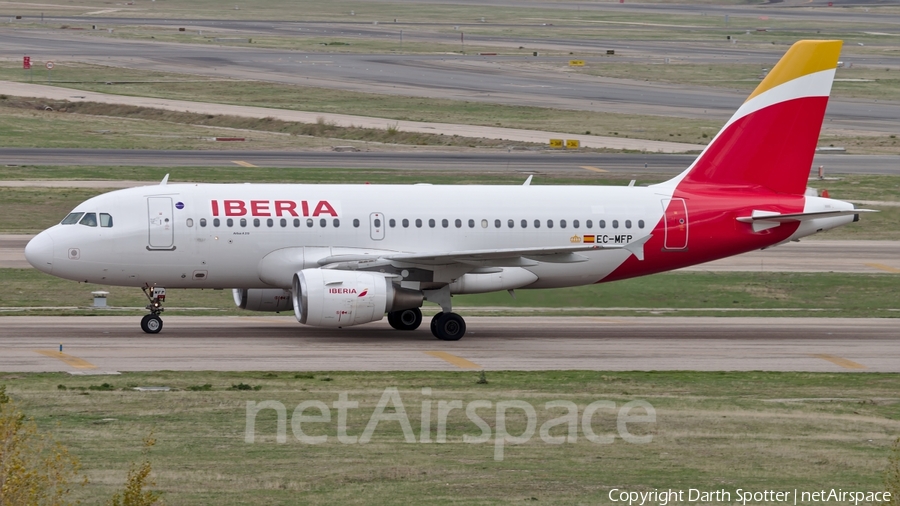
(782, 218)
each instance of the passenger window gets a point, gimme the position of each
(549, 223)
(418, 223)
(229, 222)
(484, 223)
(377, 223)
(255, 222)
(336, 222)
(405, 223)
(296, 222)
(431, 223)
(324, 223)
(589, 224)
(497, 223)
(89, 220)
(615, 223)
(270, 223)
(189, 222)
(458, 223)
(445, 223)
(309, 222)
(106, 220)
(640, 223)
(71, 219)
(575, 224)
(537, 223)
(471, 223)
(601, 223)
(627, 223)
(216, 222)
(392, 223)
(524, 223)
(355, 222)
(562, 223)
(202, 222)
(243, 222)
(283, 222)
(511, 223)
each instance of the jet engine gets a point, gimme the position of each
(262, 299)
(335, 298)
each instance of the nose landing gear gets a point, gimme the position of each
(152, 323)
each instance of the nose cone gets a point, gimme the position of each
(39, 252)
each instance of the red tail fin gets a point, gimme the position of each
(770, 141)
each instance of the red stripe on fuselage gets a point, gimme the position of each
(713, 229)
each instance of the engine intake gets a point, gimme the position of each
(335, 298)
(262, 299)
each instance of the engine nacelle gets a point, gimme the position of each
(335, 298)
(266, 299)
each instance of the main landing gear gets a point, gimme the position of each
(406, 319)
(448, 326)
(152, 323)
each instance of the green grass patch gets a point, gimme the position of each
(683, 293)
(713, 430)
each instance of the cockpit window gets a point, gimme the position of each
(89, 220)
(106, 220)
(71, 219)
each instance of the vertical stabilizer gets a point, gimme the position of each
(771, 140)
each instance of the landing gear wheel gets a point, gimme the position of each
(151, 324)
(448, 326)
(406, 319)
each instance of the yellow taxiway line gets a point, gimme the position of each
(843, 362)
(242, 163)
(886, 268)
(453, 359)
(75, 362)
(593, 169)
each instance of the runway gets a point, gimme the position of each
(105, 344)
(452, 161)
(502, 80)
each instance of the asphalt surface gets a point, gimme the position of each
(492, 79)
(513, 161)
(110, 343)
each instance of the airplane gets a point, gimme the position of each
(344, 255)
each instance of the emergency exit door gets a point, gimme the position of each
(676, 224)
(376, 226)
(161, 223)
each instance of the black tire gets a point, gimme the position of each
(434, 323)
(406, 319)
(451, 327)
(151, 324)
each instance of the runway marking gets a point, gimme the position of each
(75, 362)
(843, 362)
(886, 268)
(242, 163)
(594, 169)
(453, 359)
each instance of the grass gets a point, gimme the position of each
(682, 293)
(713, 430)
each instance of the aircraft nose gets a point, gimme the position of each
(39, 252)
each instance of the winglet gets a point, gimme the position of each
(527, 181)
(164, 181)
